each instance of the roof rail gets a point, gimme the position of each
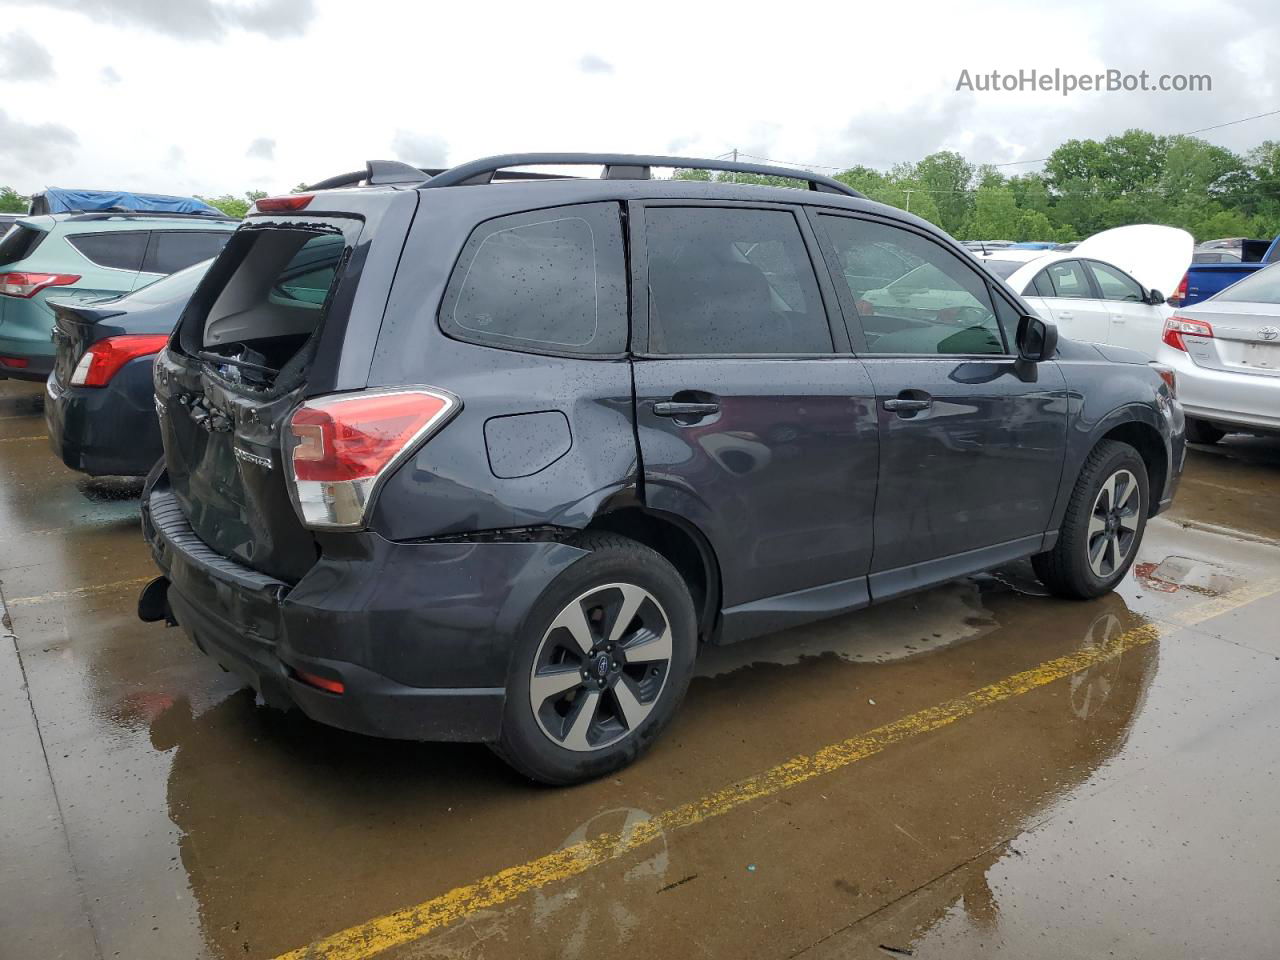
(617, 166)
(378, 172)
(624, 166)
(79, 216)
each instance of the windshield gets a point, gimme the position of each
(176, 286)
(1260, 287)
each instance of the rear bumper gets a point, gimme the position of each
(38, 367)
(1245, 401)
(109, 430)
(420, 635)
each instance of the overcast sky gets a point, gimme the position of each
(220, 96)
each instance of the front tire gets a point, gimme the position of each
(604, 660)
(1103, 526)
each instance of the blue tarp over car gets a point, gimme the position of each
(60, 200)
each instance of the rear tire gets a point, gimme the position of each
(605, 659)
(1201, 431)
(1102, 530)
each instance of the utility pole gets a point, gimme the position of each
(735, 160)
(908, 193)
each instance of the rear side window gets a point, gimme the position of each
(173, 250)
(725, 280)
(19, 243)
(119, 251)
(550, 281)
(1067, 279)
(1116, 285)
(1041, 286)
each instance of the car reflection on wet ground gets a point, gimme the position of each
(1122, 804)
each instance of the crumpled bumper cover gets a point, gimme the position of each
(419, 634)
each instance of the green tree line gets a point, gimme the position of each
(1085, 186)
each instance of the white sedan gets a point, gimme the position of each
(1225, 352)
(1110, 289)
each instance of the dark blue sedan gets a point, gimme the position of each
(100, 410)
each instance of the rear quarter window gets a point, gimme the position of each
(19, 242)
(117, 250)
(545, 281)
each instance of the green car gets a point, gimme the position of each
(87, 256)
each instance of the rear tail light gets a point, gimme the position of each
(296, 201)
(16, 362)
(27, 285)
(103, 360)
(1175, 328)
(338, 449)
(1180, 294)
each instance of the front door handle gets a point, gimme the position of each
(675, 408)
(905, 406)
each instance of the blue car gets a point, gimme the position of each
(99, 409)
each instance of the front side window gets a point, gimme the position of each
(931, 302)
(731, 281)
(547, 281)
(1116, 285)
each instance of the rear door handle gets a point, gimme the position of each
(903, 406)
(676, 408)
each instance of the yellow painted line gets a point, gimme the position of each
(40, 436)
(412, 923)
(80, 591)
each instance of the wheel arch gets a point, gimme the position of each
(1153, 450)
(682, 544)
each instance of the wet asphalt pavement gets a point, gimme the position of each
(974, 771)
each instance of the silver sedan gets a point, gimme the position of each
(1226, 353)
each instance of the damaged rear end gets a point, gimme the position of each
(277, 446)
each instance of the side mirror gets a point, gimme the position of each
(1155, 298)
(1037, 340)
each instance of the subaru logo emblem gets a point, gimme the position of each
(602, 666)
(1269, 333)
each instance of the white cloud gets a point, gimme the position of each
(262, 148)
(23, 58)
(590, 63)
(109, 74)
(28, 147)
(196, 19)
(420, 149)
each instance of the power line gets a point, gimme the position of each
(1008, 163)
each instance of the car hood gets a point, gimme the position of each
(1157, 257)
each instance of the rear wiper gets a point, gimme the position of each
(245, 364)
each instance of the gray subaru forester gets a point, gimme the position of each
(480, 454)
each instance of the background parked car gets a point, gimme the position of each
(86, 256)
(1109, 289)
(1219, 263)
(1226, 353)
(100, 408)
